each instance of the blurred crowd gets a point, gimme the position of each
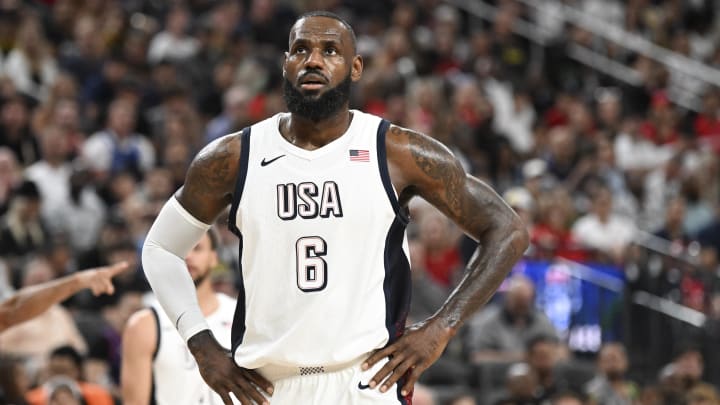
(104, 103)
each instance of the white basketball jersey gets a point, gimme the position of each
(323, 248)
(176, 377)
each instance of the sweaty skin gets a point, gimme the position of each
(418, 166)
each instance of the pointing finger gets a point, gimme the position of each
(118, 268)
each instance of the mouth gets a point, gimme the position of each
(312, 81)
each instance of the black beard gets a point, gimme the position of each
(317, 108)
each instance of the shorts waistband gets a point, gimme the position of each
(274, 372)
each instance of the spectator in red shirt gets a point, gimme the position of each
(661, 127)
(707, 123)
(442, 256)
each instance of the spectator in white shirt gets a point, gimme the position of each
(173, 43)
(30, 64)
(51, 174)
(69, 208)
(603, 231)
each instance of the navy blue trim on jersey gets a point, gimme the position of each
(156, 316)
(152, 391)
(397, 283)
(397, 286)
(240, 183)
(385, 173)
(155, 352)
(407, 399)
(238, 326)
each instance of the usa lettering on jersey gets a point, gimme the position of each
(307, 200)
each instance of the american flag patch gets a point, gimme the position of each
(359, 155)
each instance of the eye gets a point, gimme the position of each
(331, 51)
(300, 49)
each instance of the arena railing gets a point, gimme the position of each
(692, 76)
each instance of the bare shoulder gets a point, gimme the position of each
(210, 180)
(139, 338)
(141, 321)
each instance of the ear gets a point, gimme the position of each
(284, 65)
(356, 68)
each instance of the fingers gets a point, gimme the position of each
(225, 398)
(243, 386)
(102, 285)
(412, 378)
(398, 371)
(377, 356)
(109, 288)
(117, 268)
(384, 371)
(241, 395)
(260, 381)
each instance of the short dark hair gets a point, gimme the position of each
(330, 14)
(540, 338)
(214, 239)
(69, 352)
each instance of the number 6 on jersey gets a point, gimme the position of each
(311, 267)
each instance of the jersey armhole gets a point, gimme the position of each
(400, 212)
(240, 183)
(156, 316)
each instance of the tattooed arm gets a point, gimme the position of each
(210, 180)
(181, 224)
(421, 166)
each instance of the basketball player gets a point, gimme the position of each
(32, 301)
(319, 201)
(157, 367)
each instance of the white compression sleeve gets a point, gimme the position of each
(173, 234)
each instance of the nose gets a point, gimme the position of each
(315, 59)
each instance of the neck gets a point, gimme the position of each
(308, 134)
(206, 297)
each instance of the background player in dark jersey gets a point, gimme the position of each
(319, 68)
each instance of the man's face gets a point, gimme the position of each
(612, 361)
(543, 357)
(63, 365)
(690, 366)
(319, 68)
(201, 260)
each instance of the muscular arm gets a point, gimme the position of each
(421, 166)
(30, 302)
(208, 189)
(210, 180)
(138, 346)
(181, 223)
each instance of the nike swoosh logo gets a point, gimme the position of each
(267, 162)
(363, 386)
